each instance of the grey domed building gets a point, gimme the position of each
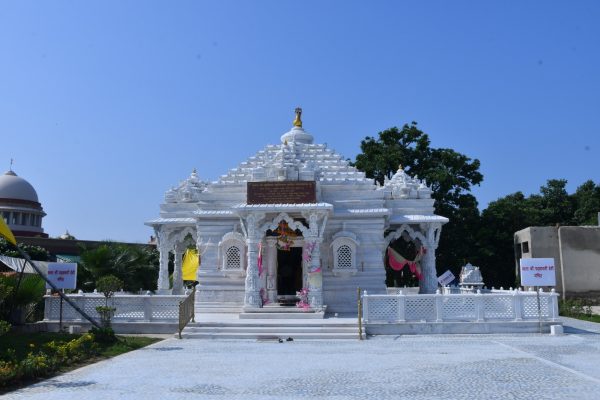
(20, 206)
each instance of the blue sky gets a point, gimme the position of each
(105, 105)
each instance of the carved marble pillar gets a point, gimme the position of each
(429, 283)
(271, 263)
(177, 271)
(315, 274)
(252, 296)
(164, 247)
(163, 272)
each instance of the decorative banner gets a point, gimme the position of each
(537, 272)
(6, 233)
(446, 278)
(190, 265)
(62, 275)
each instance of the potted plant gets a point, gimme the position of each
(108, 285)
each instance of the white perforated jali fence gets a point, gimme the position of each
(130, 308)
(473, 307)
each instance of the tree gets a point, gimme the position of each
(586, 200)
(499, 221)
(450, 174)
(36, 253)
(509, 214)
(557, 205)
(108, 285)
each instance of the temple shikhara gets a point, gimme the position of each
(294, 220)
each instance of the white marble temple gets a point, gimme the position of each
(344, 234)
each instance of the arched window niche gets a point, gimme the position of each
(344, 247)
(232, 254)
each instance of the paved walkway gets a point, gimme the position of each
(412, 367)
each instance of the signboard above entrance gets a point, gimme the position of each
(294, 192)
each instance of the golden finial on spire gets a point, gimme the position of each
(298, 119)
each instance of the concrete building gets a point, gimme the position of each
(576, 253)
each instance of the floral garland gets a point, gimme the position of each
(284, 238)
(264, 297)
(303, 296)
(307, 251)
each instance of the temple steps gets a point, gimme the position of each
(279, 312)
(217, 308)
(272, 330)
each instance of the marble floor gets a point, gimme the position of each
(386, 367)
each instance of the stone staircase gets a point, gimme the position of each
(272, 329)
(275, 311)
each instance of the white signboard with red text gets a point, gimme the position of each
(538, 272)
(445, 278)
(63, 275)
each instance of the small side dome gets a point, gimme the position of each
(17, 188)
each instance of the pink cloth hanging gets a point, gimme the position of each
(259, 261)
(397, 265)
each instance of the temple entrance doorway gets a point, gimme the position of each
(289, 275)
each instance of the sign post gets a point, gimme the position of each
(446, 278)
(538, 272)
(62, 276)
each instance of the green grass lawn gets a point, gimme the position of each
(24, 343)
(585, 317)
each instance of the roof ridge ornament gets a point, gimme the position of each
(297, 135)
(298, 119)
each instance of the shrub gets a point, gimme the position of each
(53, 356)
(37, 365)
(4, 327)
(575, 307)
(108, 285)
(8, 372)
(103, 335)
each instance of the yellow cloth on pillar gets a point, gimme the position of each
(6, 233)
(190, 265)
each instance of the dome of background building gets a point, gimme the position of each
(20, 206)
(15, 187)
(66, 236)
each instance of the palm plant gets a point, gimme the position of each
(136, 266)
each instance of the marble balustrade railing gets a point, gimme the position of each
(513, 305)
(129, 308)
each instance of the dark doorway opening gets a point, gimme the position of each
(289, 271)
